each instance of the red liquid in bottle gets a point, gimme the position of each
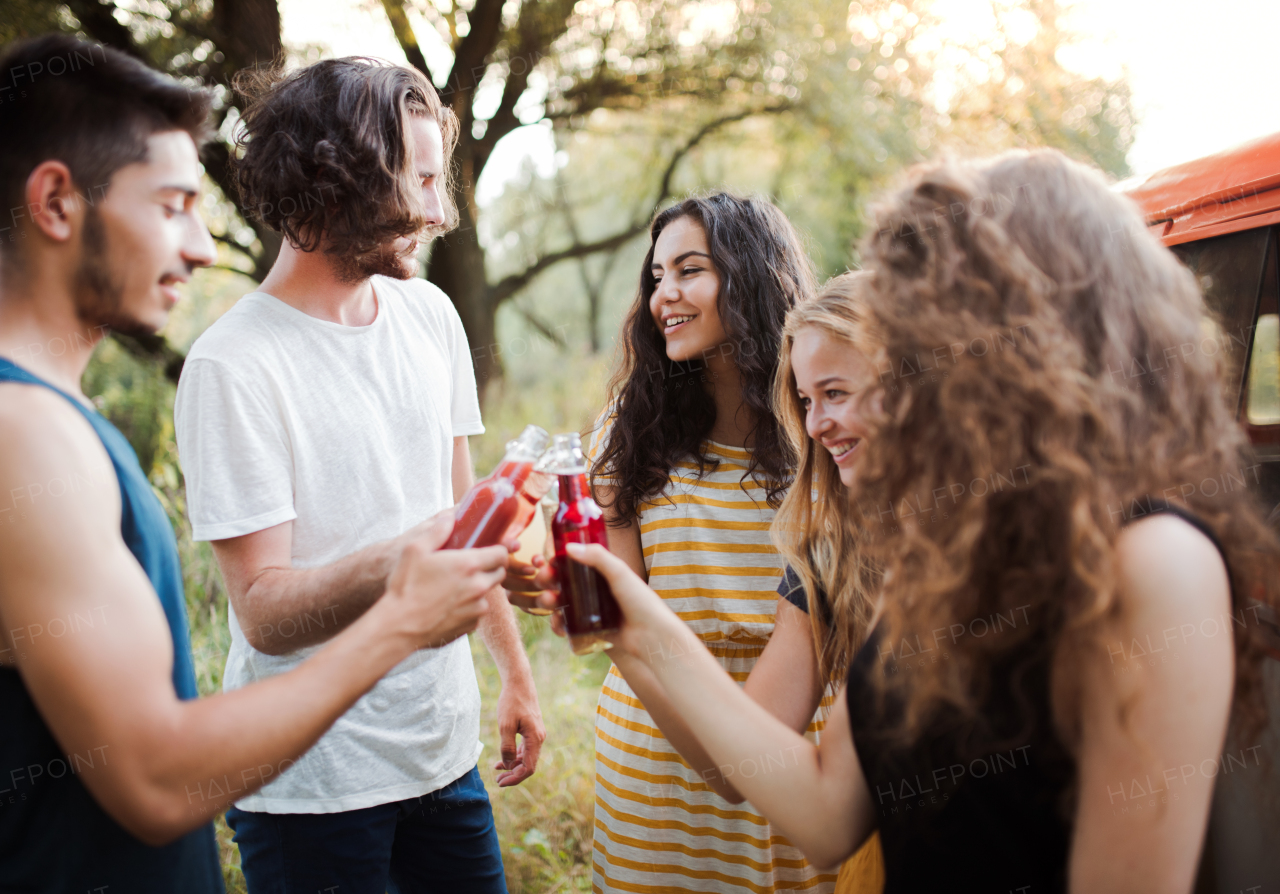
(497, 508)
(591, 614)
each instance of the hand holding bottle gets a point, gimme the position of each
(438, 595)
(647, 627)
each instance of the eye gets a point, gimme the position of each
(804, 402)
(833, 393)
(689, 271)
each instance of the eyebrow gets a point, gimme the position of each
(681, 258)
(187, 191)
(827, 381)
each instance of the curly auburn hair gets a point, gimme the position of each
(1010, 299)
(815, 535)
(657, 419)
(324, 154)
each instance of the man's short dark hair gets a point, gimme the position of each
(91, 107)
(325, 156)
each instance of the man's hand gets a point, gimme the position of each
(518, 714)
(440, 593)
(522, 584)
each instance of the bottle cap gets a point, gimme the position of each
(529, 446)
(565, 456)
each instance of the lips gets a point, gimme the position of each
(675, 321)
(843, 450)
(169, 288)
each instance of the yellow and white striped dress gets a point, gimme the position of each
(658, 826)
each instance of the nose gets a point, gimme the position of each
(816, 421)
(198, 249)
(434, 205)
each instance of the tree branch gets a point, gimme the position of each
(509, 285)
(664, 189)
(543, 327)
(485, 22)
(405, 37)
(533, 39)
(100, 23)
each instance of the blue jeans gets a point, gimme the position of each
(444, 841)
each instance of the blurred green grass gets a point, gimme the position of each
(545, 824)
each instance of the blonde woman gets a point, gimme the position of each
(990, 719)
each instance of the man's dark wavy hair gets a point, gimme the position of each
(325, 155)
(663, 416)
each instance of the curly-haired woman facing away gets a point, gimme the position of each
(690, 464)
(1005, 725)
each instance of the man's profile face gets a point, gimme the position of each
(399, 259)
(143, 239)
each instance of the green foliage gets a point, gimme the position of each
(28, 18)
(134, 395)
(841, 96)
(545, 823)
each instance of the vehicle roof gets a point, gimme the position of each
(1237, 189)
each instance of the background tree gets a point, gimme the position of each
(854, 91)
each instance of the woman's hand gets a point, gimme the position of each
(648, 626)
(549, 597)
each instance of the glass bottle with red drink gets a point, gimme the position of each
(591, 615)
(497, 508)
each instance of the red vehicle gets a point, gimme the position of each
(1221, 215)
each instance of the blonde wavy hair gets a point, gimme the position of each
(1011, 300)
(812, 528)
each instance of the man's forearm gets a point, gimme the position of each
(220, 749)
(286, 609)
(501, 636)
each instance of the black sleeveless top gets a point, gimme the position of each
(971, 805)
(54, 837)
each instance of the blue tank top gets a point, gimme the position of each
(53, 835)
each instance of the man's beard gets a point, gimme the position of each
(382, 261)
(99, 297)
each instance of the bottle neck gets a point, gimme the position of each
(573, 487)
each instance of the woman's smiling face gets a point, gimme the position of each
(685, 300)
(832, 378)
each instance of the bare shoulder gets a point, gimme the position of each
(43, 430)
(1167, 565)
(54, 470)
(59, 503)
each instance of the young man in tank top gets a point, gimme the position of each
(318, 421)
(110, 769)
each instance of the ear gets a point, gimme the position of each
(53, 205)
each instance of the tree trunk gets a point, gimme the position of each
(457, 267)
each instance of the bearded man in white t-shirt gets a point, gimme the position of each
(321, 422)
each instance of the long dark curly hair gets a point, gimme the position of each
(1011, 299)
(661, 414)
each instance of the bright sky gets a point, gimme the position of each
(1203, 75)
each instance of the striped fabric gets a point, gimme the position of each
(658, 826)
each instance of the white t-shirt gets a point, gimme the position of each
(348, 432)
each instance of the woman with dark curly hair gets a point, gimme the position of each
(690, 464)
(1061, 630)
